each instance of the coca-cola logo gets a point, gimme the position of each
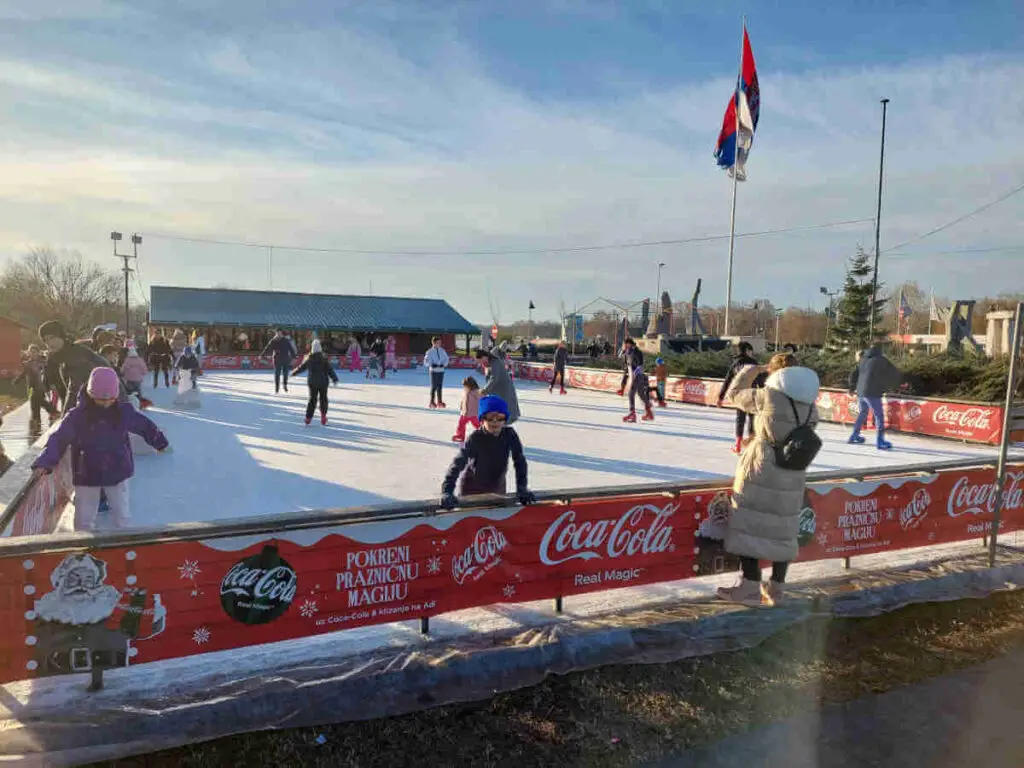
(913, 412)
(964, 417)
(480, 556)
(969, 498)
(916, 511)
(258, 589)
(641, 529)
(695, 388)
(220, 361)
(825, 401)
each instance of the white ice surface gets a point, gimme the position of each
(247, 452)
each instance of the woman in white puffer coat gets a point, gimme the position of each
(766, 500)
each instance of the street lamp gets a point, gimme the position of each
(136, 239)
(532, 307)
(657, 296)
(828, 312)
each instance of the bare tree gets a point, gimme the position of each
(51, 285)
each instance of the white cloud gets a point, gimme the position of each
(343, 138)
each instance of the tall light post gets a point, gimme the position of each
(828, 312)
(878, 228)
(657, 296)
(532, 307)
(115, 237)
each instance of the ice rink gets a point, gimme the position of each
(247, 452)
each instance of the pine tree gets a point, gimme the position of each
(851, 331)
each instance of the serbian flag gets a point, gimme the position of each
(905, 310)
(741, 116)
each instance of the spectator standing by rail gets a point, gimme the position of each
(767, 498)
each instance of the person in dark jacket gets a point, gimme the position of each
(318, 370)
(188, 365)
(69, 364)
(32, 367)
(640, 387)
(561, 358)
(632, 358)
(284, 352)
(379, 350)
(160, 358)
(482, 464)
(873, 376)
(744, 357)
(96, 432)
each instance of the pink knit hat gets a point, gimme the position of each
(103, 384)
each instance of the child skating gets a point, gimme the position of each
(661, 379)
(639, 387)
(468, 409)
(318, 371)
(96, 430)
(482, 464)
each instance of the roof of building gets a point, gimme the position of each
(230, 307)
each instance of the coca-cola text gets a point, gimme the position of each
(565, 539)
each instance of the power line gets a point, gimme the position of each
(507, 252)
(959, 219)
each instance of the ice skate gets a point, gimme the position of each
(662, 404)
(308, 420)
(630, 417)
(432, 405)
(323, 419)
(748, 593)
(738, 447)
(855, 440)
(884, 445)
(442, 404)
(648, 414)
(562, 391)
(621, 392)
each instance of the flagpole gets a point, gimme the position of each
(735, 181)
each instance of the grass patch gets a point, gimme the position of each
(618, 716)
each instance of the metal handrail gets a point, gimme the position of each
(275, 524)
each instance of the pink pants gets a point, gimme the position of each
(460, 431)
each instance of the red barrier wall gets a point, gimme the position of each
(974, 422)
(252, 362)
(60, 611)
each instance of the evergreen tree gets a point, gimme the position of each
(854, 308)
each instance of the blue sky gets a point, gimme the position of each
(403, 126)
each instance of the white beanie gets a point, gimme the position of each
(316, 347)
(796, 382)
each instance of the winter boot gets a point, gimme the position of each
(775, 591)
(738, 447)
(648, 414)
(630, 417)
(323, 419)
(855, 440)
(749, 593)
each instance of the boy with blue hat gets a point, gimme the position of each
(482, 463)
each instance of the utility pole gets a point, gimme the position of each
(530, 312)
(878, 229)
(657, 296)
(136, 241)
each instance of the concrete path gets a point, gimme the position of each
(972, 717)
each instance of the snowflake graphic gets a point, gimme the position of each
(890, 515)
(822, 538)
(201, 635)
(308, 608)
(434, 565)
(509, 590)
(189, 569)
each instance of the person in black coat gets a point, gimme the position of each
(561, 358)
(284, 352)
(744, 358)
(160, 359)
(482, 463)
(318, 371)
(632, 358)
(69, 364)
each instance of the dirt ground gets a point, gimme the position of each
(629, 715)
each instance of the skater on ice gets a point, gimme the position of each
(873, 376)
(482, 464)
(743, 359)
(391, 361)
(32, 366)
(377, 361)
(133, 370)
(632, 358)
(640, 386)
(178, 343)
(69, 364)
(561, 358)
(468, 409)
(355, 362)
(283, 351)
(97, 431)
(436, 361)
(318, 370)
(767, 498)
(661, 380)
(499, 381)
(160, 359)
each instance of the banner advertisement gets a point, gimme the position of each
(974, 422)
(42, 505)
(254, 362)
(64, 611)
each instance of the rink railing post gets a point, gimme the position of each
(424, 625)
(846, 563)
(558, 604)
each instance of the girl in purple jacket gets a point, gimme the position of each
(96, 431)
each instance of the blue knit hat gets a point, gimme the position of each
(492, 404)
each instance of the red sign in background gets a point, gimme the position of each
(172, 599)
(975, 422)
